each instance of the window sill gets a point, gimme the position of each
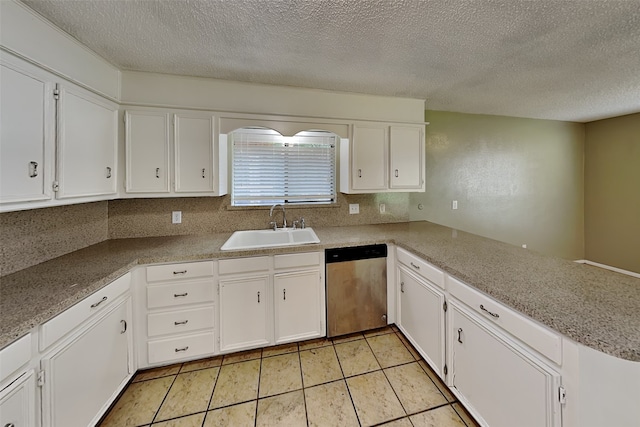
(287, 207)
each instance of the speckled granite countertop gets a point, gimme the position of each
(597, 308)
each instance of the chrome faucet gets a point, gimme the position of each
(284, 216)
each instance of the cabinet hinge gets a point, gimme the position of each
(55, 186)
(445, 369)
(562, 395)
(56, 94)
(444, 306)
(40, 378)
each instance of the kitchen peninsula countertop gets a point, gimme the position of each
(595, 307)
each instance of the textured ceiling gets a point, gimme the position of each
(552, 59)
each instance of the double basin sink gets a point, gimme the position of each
(256, 239)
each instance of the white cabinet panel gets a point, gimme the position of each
(180, 347)
(82, 375)
(194, 148)
(421, 317)
(14, 356)
(17, 403)
(297, 306)
(369, 161)
(147, 152)
(501, 382)
(27, 133)
(180, 321)
(405, 152)
(244, 313)
(87, 143)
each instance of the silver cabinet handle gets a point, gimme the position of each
(184, 322)
(94, 305)
(258, 297)
(33, 169)
(157, 172)
(402, 287)
(460, 335)
(496, 315)
(10, 425)
(203, 172)
(359, 173)
(417, 267)
(180, 272)
(180, 295)
(182, 349)
(396, 173)
(284, 294)
(108, 172)
(124, 326)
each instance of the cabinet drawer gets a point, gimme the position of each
(420, 267)
(170, 349)
(14, 356)
(60, 325)
(187, 270)
(243, 265)
(176, 294)
(529, 332)
(296, 260)
(172, 322)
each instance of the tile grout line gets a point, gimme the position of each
(255, 418)
(304, 395)
(346, 384)
(215, 383)
(165, 396)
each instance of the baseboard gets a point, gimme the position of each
(608, 267)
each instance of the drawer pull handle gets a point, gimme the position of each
(496, 315)
(124, 326)
(203, 172)
(460, 335)
(359, 173)
(10, 425)
(180, 295)
(284, 294)
(396, 173)
(108, 172)
(33, 169)
(157, 172)
(417, 267)
(402, 287)
(258, 297)
(180, 272)
(184, 322)
(94, 305)
(178, 350)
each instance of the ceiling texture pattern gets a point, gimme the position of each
(550, 59)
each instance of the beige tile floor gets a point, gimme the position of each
(375, 378)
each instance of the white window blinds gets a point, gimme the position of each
(269, 168)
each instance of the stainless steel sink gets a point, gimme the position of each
(256, 239)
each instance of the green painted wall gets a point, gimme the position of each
(612, 192)
(516, 180)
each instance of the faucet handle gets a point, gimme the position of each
(295, 223)
(273, 225)
(302, 225)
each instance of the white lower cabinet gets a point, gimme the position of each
(421, 316)
(297, 306)
(500, 382)
(17, 403)
(244, 313)
(84, 373)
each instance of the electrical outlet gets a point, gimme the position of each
(176, 217)
(354, 208)
(383, 208)
(454, 204)
(524, 245)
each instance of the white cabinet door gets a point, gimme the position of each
(298, 313)
(502, 383)
(27, 132)
(147, 152)
(194, 148)
(83, 375)
(407, 159)
(421, 317)
(244, 313)
(369, 158)
(17, 403)
(87, 143)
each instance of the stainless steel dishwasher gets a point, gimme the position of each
(356, 289)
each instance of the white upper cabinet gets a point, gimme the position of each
(194, 148)
(382, 158)
(27, 138)
(147, 151)
(87, 143)
(406, 157)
